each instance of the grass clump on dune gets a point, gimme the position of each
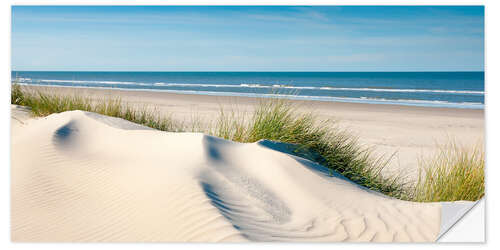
(455, 173)
(319, 141)
(43, 104)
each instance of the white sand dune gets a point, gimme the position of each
(82, 177)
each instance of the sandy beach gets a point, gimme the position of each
(406, 132)
(82, 177)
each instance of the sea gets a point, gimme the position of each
(429, 89)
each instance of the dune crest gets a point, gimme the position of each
(79, 176)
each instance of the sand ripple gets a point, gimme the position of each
(80, 177)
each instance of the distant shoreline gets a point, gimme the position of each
(381, 106)
(412, 103)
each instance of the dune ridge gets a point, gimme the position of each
(82, 177)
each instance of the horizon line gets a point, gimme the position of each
(247, 71)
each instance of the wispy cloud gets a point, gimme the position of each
(246, 38)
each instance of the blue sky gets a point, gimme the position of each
(273, 38)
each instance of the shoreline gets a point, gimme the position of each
(398, 102)
(254, 99)
(408, 132)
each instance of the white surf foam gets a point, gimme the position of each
(261, 86)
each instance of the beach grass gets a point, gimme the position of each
(320, 141)
(280, 120)
(456, 172)
(43, 104)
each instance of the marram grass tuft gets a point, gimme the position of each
(454, 173)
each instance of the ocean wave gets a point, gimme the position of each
(244, 85)
(256, 85)
(23, 79)
(88, 81)
(406, 102)
(274, 86)
(408, 90)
